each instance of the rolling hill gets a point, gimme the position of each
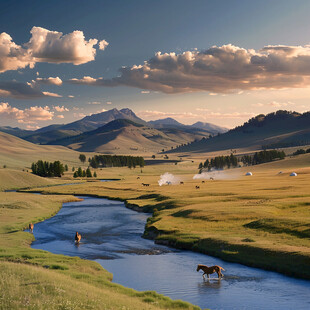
(274, 130)
(210, 127)
(18, 153)
(124, 136)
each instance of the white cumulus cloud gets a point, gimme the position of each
(50, 81)
(29, 115)
(61, 109)
(47, 46)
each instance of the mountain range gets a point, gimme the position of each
(122, 131)
(107, 130)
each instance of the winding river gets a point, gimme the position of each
(111, 235)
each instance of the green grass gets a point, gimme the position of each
(36, 279)
(238, 219)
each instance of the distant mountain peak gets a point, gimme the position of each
(166, 121)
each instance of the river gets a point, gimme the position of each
(111, 235)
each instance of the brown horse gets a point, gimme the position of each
(209, 270)
(31, 227)
(78, 237)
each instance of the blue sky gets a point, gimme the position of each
(209, 91)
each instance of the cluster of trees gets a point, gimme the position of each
(84, 173)
(262, 157)
(220, 162)
(301, 151)
(232, 161)
(48, 169)
(116, 161)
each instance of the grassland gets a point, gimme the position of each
(36, 279)
(16, 153)
(261, 221)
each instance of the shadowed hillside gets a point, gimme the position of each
(274, 130)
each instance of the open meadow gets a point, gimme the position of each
(260, 220)
(36, 279)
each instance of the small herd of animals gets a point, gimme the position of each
(169, 183)
(206, 270)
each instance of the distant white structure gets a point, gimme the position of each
(293, 174)
(249, 173)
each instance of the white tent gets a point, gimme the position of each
(293, 174)
(249, 173)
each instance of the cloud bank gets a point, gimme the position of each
(222, 69)
(28, 116)
(47, 46)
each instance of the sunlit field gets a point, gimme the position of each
(36, 279)
(260, 220)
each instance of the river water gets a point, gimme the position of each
(111, 235)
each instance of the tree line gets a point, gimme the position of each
(301, 151)
(232, 161)
(220, 162)
(262, 157)
(48, 169)
(116, 161)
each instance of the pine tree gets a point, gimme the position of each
(79, 172)
(88, 173)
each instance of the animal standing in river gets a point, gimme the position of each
(209, 270)
(31, 227)
(78, 238)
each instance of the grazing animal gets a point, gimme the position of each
(31, 227)
(202, 181)
(197, 187)
(145, 184)
(138, 178)
(211, 178)
(182, 183)
(78, 237)
(209, 270)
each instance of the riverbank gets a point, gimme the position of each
(244, 220)
(37, 279)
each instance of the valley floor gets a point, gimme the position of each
(36, 279)
(261, 220)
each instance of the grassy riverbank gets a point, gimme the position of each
(260, 221)
(36, 279)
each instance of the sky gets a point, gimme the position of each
(221, 62)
